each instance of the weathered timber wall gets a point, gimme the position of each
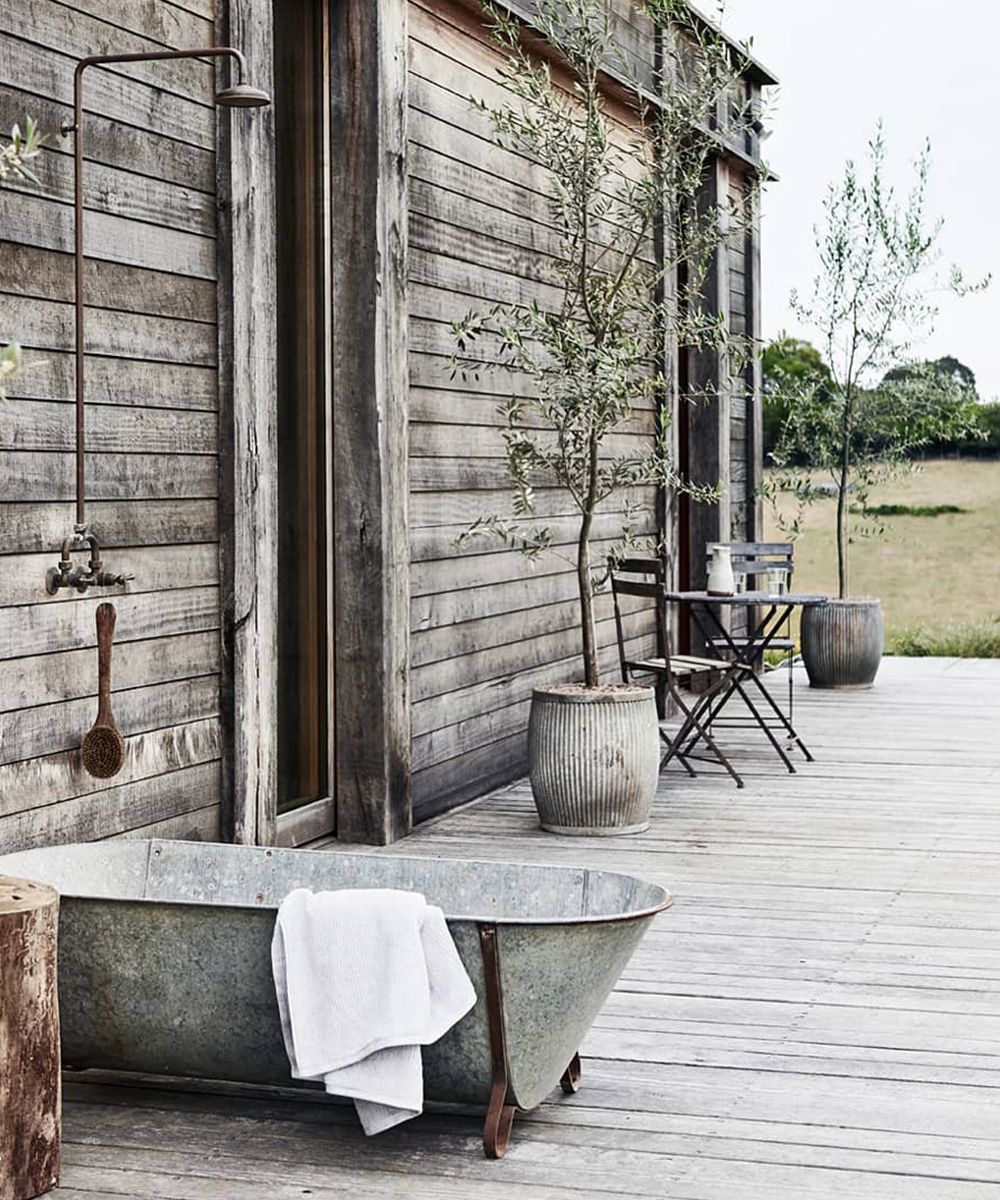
(487, 626)
(151, 424)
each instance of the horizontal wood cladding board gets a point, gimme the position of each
(477, 258)
(503, 586)
(631, 28)
(113, 812)
(476, 441)
(515, 654)
(31, 732)
(436, 336)
(449, 63)
(50, 778)
(533, 225)
(447, 784)
(48, 628)
(431, 645)
(37, 221)
(48, 425)
(48, 275)
(51, 476)
(496, 710)
(198, 825)
(48, 375)
(49, 325)
(71, 675)
(475, 267)
(119, 193)
(33, 68)
(483, 570)
(135, 149)
(429, 474)
(429, 406)
(166, 24)
(66, 29)
(438, 543)
(156, 569)
(41, 527)
(428, 509)
(201, 8)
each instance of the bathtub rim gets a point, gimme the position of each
(19, 861)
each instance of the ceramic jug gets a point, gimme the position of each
(721, 581)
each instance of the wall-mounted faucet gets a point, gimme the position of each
(67, 575)
(238, 95)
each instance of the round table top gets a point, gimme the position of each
(750, 599)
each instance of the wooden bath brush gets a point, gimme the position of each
(103, 748)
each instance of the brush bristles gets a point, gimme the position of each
(103, 752)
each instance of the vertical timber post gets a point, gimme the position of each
(248, 507)
(370, 374)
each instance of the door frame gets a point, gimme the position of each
(369, 372)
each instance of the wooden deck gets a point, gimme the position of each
(817, 1017)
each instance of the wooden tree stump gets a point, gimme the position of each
(30, 1083)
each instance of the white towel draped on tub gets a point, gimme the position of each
(364, 978)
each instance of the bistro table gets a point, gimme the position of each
(775, 609)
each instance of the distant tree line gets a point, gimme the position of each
(792, 359)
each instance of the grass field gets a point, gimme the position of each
(929, 572)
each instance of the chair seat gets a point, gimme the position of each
(682, 664)
(773, 644)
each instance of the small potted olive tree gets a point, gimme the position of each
(585, 363)
(861, 422)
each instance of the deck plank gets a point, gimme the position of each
(817, 1017)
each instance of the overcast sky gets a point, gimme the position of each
(929, 69)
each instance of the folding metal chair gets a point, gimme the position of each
(753, 562)
(646, 577)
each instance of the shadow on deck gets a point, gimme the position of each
(818, 1016)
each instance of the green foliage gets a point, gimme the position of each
(980, 639)
(587, 361)
(10, 365)
(14, 157)
(870, 303)
(983, 441)
(20, 150)
(787, 364)
(949, 368)
(908, 510)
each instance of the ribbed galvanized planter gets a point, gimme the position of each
(594, 758)
(842, 643)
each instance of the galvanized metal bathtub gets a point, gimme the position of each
(164, 960)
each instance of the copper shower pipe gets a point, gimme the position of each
(237, 96)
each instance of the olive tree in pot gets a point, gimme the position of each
(871, 303)
(590, 365)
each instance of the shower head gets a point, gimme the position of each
(241, 95)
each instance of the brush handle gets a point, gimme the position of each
(106, 618)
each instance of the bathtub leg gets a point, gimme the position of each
(500, 1112)
(571, 1076)
(499, 1123)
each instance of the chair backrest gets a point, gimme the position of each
(645, 577)
(758, 558)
